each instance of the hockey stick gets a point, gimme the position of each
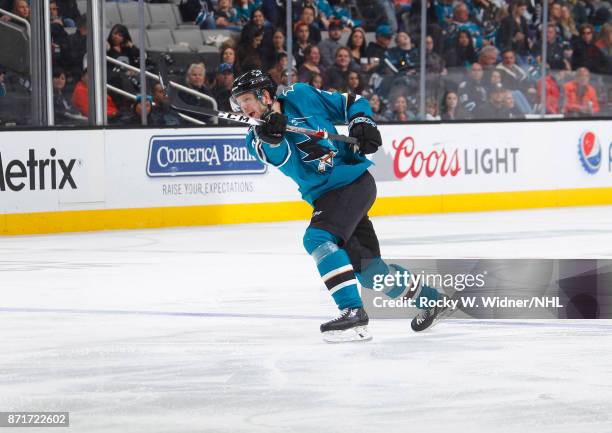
(185, 108)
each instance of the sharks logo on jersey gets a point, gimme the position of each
(312, 150)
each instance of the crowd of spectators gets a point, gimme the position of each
(482, 57)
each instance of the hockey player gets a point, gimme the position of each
(333, 178)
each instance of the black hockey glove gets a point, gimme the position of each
(364, 129)
(273, 129)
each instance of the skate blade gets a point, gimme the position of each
(441, 315)
(359, 333)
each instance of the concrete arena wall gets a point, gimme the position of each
(79, 180)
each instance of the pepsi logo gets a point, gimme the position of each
(589, 151)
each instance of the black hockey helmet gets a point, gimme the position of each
(253, 81)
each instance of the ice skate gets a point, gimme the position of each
(351, 325)
(429, 317)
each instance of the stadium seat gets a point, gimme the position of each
(164, 16)
(112, 14)
(190, 37)
(129, 14)
(159, 39)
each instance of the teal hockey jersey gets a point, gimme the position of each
(308, 107)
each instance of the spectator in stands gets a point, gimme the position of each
(580, 96)
(584, 11)
(2, 77)
(316, 81)
(450, 108)
(273, 12)
(337, 74)
(278, 46)
(120, 46)
(308, 16)
(226, 16)
(487, 14)
(341, 11)
(75, 50)
(302, 36)
(80, 99)
(69, 11)
(276, 72)
(250, 49)
(206, 17)
(357, 45)
(472, 93)
(494, 80)
(554, 16)
(512, 110)
(54, 15)
(488, 59)
(403, 57)
(355, 84)
(311, 64)
(403, 8)
(222, 88)
(604, 43)
(461, 15)
(387, 13)
(136, 111)
(462, 52)
(378, 48)
(329, 46)
(494, 109)
(228, 55)
(244, 9)
(59, 37)
(586, 54)
(161, 113)
(513, 32)
(554, 50)
(444, 12)
(603, 15)
(513, 76)
(434, 63)
(553, 94)
(64, 111)
(377, 109)
(190, 10)
(399, 111)
(431, 110)
(21, 8)
(569, 32)
(258, 22)
(196, 79)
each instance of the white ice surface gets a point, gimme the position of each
(215, 329)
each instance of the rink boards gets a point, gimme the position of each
(77, 180)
